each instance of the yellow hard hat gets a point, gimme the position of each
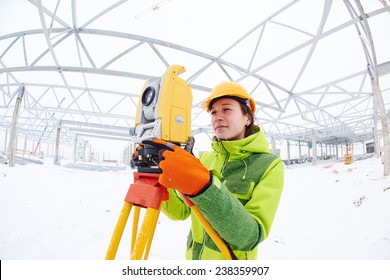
(229, 89)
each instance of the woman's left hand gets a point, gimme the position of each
(180, 169)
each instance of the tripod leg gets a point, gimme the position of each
(151, 235)
(135, 227)
(119, 228)
(144, 233)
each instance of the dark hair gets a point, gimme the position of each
(246, 110)
(238, 99)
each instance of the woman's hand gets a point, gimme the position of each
(180, 169)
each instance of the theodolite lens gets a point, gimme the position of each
(148, 96)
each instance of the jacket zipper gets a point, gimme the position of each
(226, 158)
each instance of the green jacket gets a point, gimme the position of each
(241, 202)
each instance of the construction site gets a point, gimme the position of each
(72, 74)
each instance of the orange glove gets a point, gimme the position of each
(180, 170)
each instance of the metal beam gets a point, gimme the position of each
(13, 133)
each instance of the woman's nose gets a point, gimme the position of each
(217, 117)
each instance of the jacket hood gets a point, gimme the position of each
(255, 143)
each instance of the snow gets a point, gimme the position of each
(330, 211)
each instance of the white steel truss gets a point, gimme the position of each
(87, 80)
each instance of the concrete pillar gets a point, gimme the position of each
(314, 143)
(288, 152)
(13, 135)
(85, 150)
(75, 149)
(273, 146)
(25, 146)
(326, 151)
(32, 148)
(300, 151)
(385, 125)
(377, 149)
(56, 159)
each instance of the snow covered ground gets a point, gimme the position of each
(330, 211)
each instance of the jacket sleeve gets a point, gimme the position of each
(175, 208)
(243, 227)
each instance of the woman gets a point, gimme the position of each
(237, 186)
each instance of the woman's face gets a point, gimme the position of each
(227, 119)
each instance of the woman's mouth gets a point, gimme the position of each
(219, 127)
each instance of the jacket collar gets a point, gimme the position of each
(255, 143)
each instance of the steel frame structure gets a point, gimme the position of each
(338, 111)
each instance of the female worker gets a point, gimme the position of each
(237, 186)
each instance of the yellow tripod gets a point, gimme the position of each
(147, 192)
